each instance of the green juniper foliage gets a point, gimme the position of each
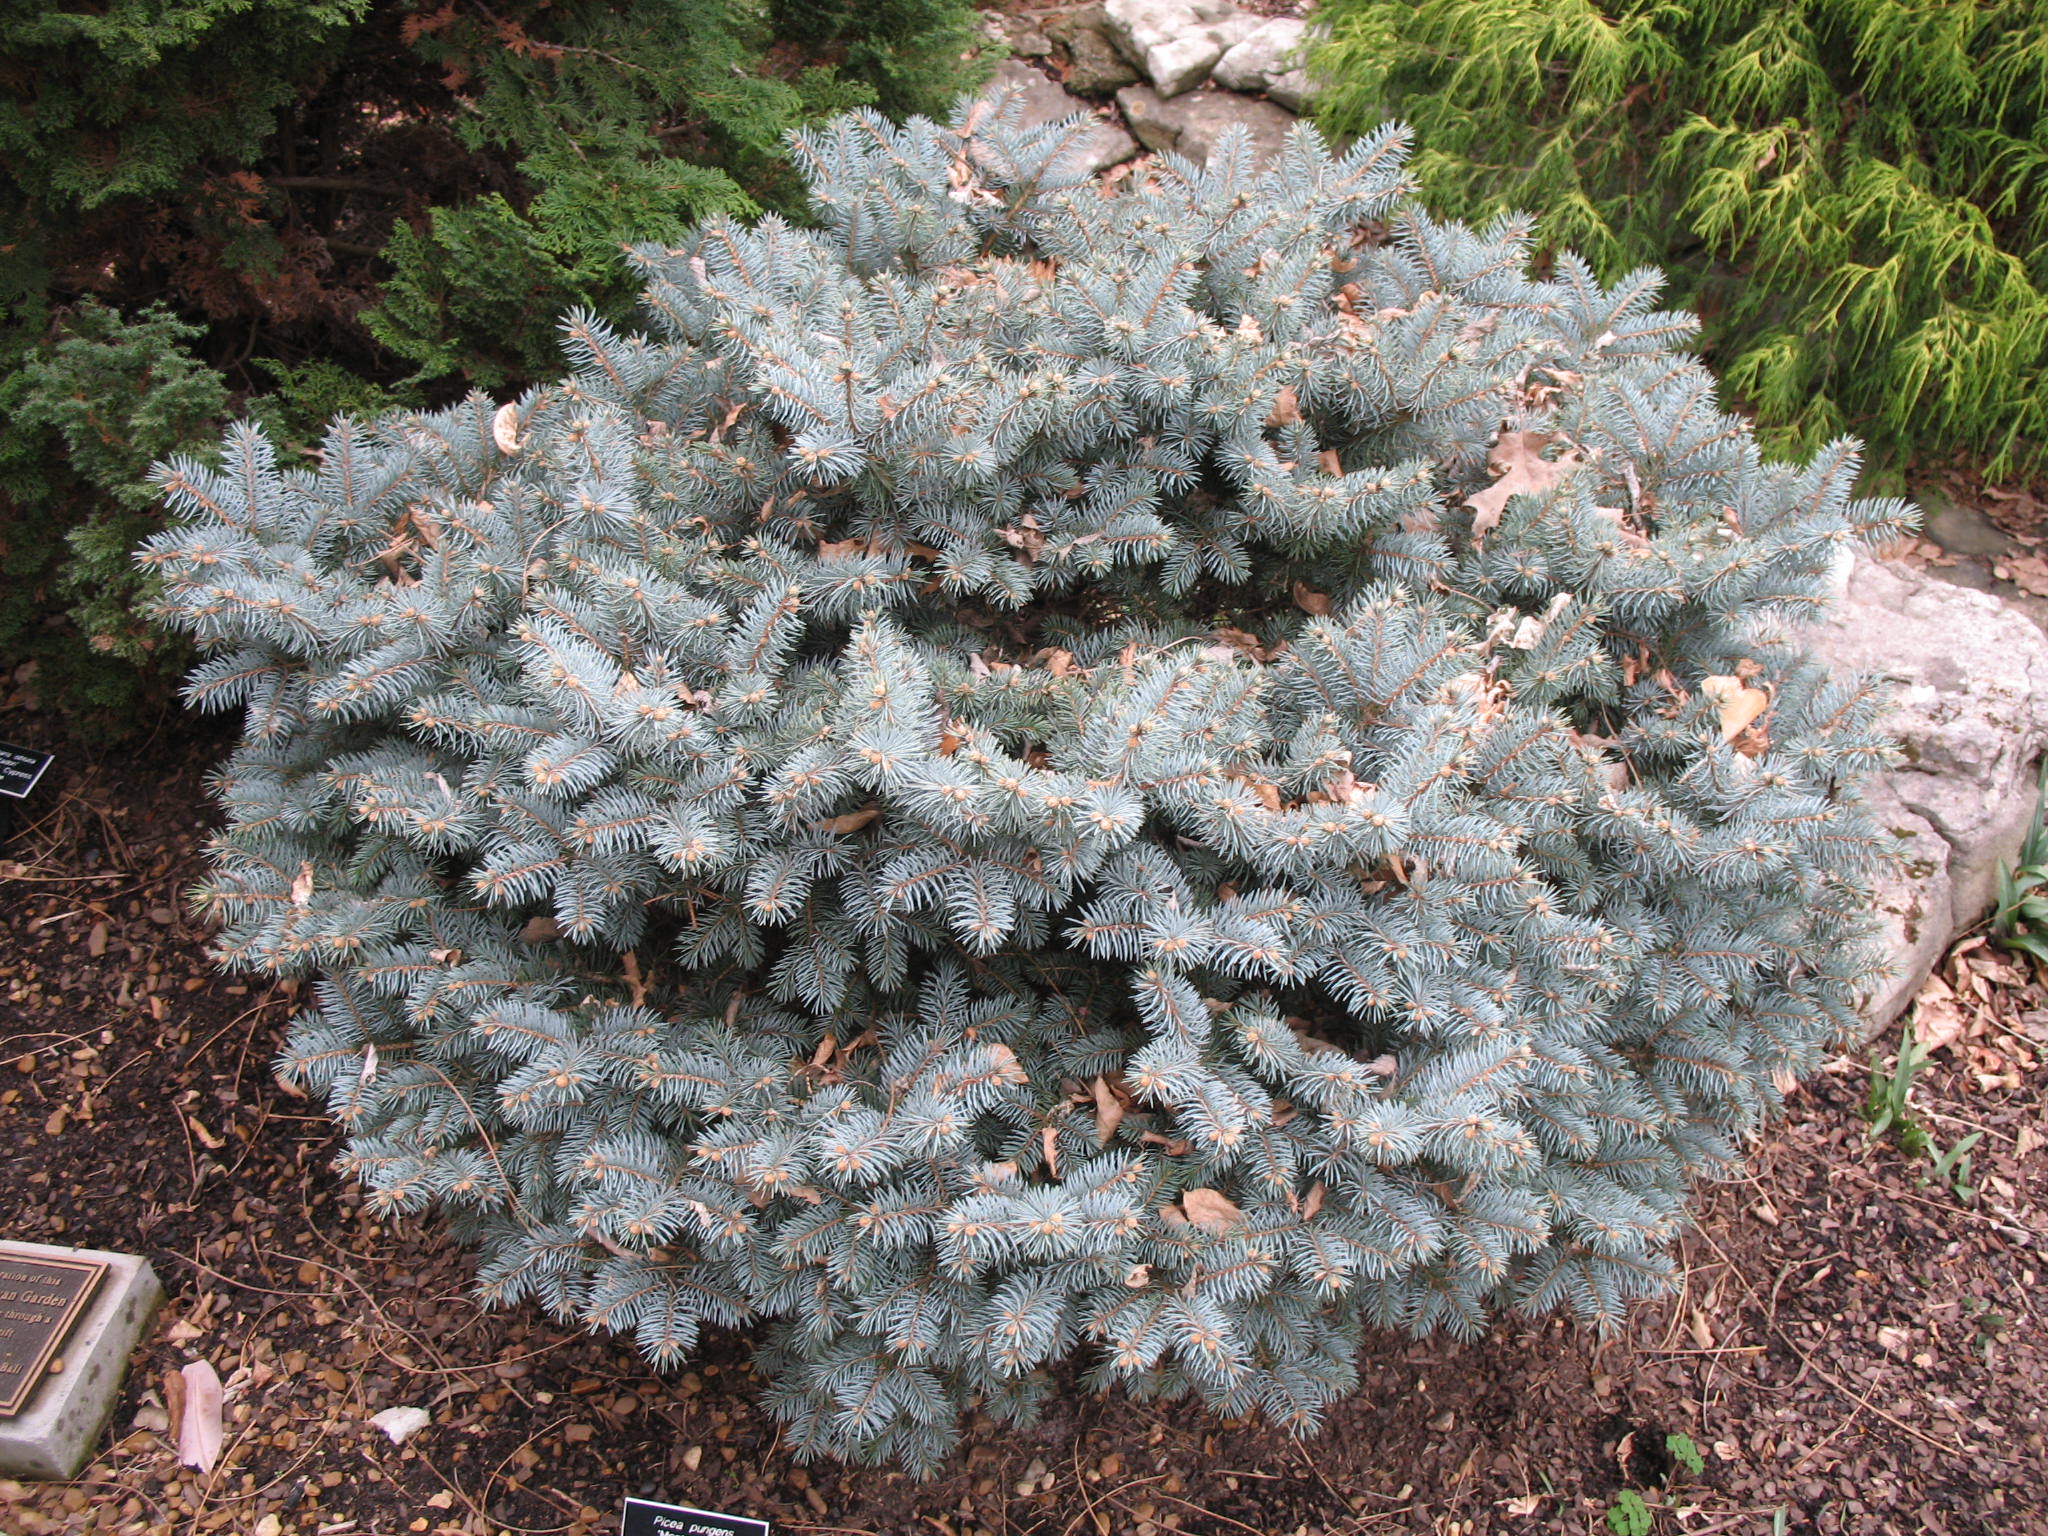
(82, 417)
(1858, 189)
(108, 103)
(627, 123)
(319, 198)
(908, 52)
(986, 794)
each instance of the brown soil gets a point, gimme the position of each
(1854, 1350)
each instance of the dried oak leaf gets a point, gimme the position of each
(1267, 791)
(1286, 407)
(1026, 538)
(1008, 1069)
(1737, 705)
(1212, 1210)
(1516, 460)
(1938, 1016)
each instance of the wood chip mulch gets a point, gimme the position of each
(1854, 1350)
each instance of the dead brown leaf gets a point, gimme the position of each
(200, 1435)
(1026, 538)
(1212, 1210)
(1938, 1016)
(1242, 640)
(1737, 705)
(1310, 601)
(851, 821)
(1008, 1068)
(1516, 460)
(1109, 1110)
(2027, 572)
(1267, 791)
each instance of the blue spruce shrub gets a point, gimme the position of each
(1157, 773)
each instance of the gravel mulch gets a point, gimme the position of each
(1855, 1349)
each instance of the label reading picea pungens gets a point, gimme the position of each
(644, 1517)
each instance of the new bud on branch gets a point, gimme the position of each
(1159, 773)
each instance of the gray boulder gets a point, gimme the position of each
(1233, 29)
(1094, 66)
(1175, 42)
(1972, 721)
(1183, 63)
(1045, 102)
(1268, 51)
(1292, 90)
(1190, 125)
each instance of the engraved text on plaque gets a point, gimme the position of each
(39, 1301)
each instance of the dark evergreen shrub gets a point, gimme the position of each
(81, 419)
(307, 200)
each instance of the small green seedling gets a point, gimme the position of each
(2020, 921)
(1684, 1454)
(1887, 1104)
(1628, 1515)
(1952, 1168)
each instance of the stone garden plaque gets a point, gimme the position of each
(86, 1308)
(40, 1298)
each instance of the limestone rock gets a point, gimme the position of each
(1972, 720)
(1182, 64)
(1140, 25)
(1291, 90)
(1234, 29)
(1190, 125)
(1175, 42)
(1268, 51)
(1045, 102)
(1094, 66)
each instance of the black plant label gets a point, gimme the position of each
(644, 1517)
(19, 770)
